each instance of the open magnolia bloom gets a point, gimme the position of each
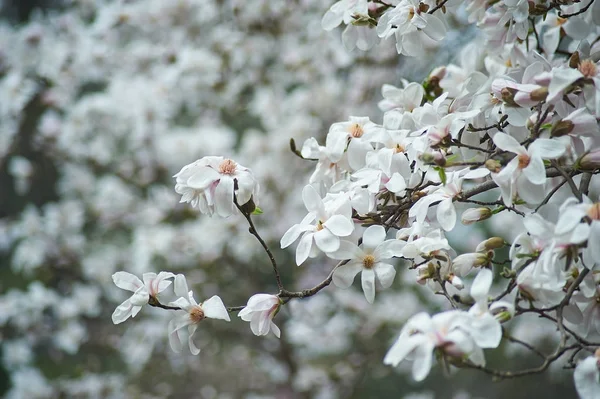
(333, 220)
(587, 377)
(525, 174)
(370, 258)
(152, 285)
(193, 313)
(422, 334)
(210, 184)
(259, 311)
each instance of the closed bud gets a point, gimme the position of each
(463, 264)
(456, 282)
(574, 60)
(562, 128)
(539, 94)
(493, 166)
(473, 215)
(490, 244)
(589, 161)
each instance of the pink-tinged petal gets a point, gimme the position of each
(260, 302)
(446, 214)
(122, 312)
(293, 233)
(422, 361)
(193, 348)
(547, 148)
(339, 225)
(373, 237)
(404, 346)
(508, 143)
(535, 171)
(569, 219)
(343, 276)
(347, 250)
(326, 241)
(481, 285)
(180, 287)
(368, 284)
(203, 178)
(303, 249)
(215, 309)
(275, 330)
(127, 281)
(389, 249)
(224, 197)
(162, 282)
(313, 202)
(385, 273)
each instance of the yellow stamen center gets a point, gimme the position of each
(356, 130)
(196, 314)
(227, 167)
(369, 261)
(399, 148)
(320, 226)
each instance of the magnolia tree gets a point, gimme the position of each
(507, 137)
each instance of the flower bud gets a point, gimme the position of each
(473, 215)
(574, 60)
(589, 161)
(490, 244)
(493, 166)
(539, 94)
(562, 128)
(508, 96)
(463, 264)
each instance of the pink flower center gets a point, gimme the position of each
(369, 261)
(356, 130)
(594, 211)
(588, 68)
(196, 314)
(227, 167)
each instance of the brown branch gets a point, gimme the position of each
(311, 291)
(584, 9)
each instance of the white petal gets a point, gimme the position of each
(507, 143)
(389, 249)
(224, 197)
(347, 250)
(180, 287)
(481, 285)
(344, 275)
(193, 348)
(331, 20)
(127, 281)
(547, 148)
(422, 361)
(326, 241)
(535, 171)
(303, 249)
(446, 214)
(293, 233)
(215, 309)
(373, 237)
(368, 284)
(339, 225)
(275, 330)
(313, 202)
(385, 274)
(123, 312)
(203, 178)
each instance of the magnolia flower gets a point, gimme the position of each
(210, 184)
(355, 14)
(152, 285)
(571, 214)
(525, 174)
(353, 139)
(332, 222)
(422, 334)
(587, 377)
(368, 258)
(259, 311)
(192, 314)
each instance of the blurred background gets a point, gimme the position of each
(101, 102)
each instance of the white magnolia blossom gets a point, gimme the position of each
(211, 183)
(152, 285)
(369, 259)
(587, 377)
(259, 311)
(191, 314)
(331, 221)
